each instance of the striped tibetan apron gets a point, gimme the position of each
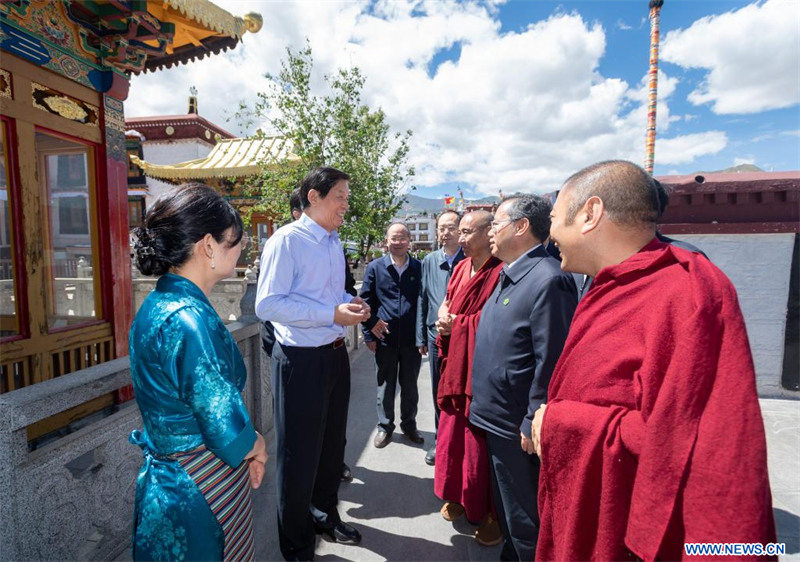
(227, 491)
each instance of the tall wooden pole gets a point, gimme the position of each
(652, 88)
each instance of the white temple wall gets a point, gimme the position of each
(170, 152)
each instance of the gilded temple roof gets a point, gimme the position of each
(230, 158)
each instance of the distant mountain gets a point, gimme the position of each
(734, 169)
(417, 204)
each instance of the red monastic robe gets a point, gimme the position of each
(462, 466)
(653, 435)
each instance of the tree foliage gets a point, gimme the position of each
(332, 129)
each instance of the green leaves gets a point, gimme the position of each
(333, 129)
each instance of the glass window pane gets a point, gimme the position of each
(66, 181)
(9, 315)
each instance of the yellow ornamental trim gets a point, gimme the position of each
(214, 17)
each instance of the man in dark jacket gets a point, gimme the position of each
(437, 267)
(391, 286)
(520, 336)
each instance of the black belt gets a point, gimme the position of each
(333, 345)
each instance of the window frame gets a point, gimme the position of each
(17, 235)
(96, 228)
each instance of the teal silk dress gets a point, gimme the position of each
(192, 493)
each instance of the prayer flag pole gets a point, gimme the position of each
(652, 88)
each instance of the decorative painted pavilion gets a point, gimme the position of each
(224, 168)
(65, 68)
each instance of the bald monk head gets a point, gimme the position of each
(473, 235)
(603, 215)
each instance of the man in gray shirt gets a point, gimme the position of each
(436, 270)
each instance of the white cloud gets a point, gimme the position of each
(751, 55)
(516, 110)
(622, 25)
(738, 161)
(686, 148)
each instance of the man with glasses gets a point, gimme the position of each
(520, 336)
(391, 288)
(436, 270)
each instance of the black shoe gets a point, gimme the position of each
(382, 439)
(341, 532)
(430, 457)
(347, 476)
(414, 436)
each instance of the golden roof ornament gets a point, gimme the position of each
(253, 21)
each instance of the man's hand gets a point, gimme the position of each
(350, 314)
(372, 345)
(365, 309)
(423, 350)
(444, 325)
(380, 329)
(444, 309)
(536, 429)
(526, 444)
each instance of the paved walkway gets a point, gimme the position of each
(391, 497)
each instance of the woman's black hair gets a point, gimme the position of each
(176, 221)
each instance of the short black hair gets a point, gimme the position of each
(535, 208)
(176, 221)
(629, 194)
(295, 202)
(322, 179)
(449, 211)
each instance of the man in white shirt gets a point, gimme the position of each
(301, 291)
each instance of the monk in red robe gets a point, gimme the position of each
(652, 435)
(462, 468)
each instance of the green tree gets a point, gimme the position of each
(332, 129)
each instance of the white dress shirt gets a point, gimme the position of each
(301, 282)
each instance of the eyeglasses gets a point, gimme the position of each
(495, 224)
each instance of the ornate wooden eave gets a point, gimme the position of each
(100, 43)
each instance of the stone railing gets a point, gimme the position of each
(225, 297)
(72, 499)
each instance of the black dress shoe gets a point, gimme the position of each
(382, 439)
(414, 436)
(341, 532)
(347, 476)
(430, 456)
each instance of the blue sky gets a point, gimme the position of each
(518, 95)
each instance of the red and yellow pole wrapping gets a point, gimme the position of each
(652, 87)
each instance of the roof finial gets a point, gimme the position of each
(253, 22)
(192, 100)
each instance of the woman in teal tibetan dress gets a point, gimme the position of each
(201, 452)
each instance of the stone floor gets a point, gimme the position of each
(391, 498)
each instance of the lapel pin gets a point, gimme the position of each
(506, 301)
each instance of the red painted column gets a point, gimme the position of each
(118, 299)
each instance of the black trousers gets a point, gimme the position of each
(433, 365)
(311, 389)
(515, 487)
(397, 364)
